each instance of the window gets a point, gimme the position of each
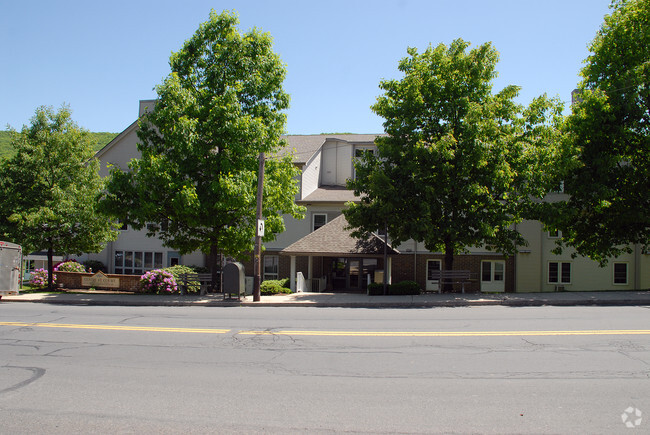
(318, 220)
(493, 271)
(360, 152)
(136, 262)
(620, 273)
(270, 267)
(559, 272)
(121, 225)
(486, 271)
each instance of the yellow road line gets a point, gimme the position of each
(338, 333)
(116, 327)
(448, 333)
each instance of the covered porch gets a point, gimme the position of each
(338, 262)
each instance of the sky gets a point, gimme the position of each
(101, 58)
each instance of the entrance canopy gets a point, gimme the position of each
(333, 240)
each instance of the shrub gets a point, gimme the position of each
(404, 288)
(375, 289)
(39, 278)
(178, 270)
(95, 266)
(69, 266)
(158, 281)
(400, 288)
(274, 286)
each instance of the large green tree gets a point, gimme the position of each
(608, 184)
(195, 184)
(459, 166)
(50, 187)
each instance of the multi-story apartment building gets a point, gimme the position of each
(322, 250)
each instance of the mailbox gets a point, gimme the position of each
(234, 280)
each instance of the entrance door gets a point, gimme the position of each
(432, 284)
(493, 273)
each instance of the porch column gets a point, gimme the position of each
(389, 270)
(310, 286)
(292, 276)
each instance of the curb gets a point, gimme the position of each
(379, 305)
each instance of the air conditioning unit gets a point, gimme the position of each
(559, 288)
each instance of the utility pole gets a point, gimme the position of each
(385, 259)
(259, 232)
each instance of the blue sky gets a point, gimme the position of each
(102, 57)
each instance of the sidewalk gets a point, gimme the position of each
(346, 300)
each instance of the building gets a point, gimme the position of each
(321, 249)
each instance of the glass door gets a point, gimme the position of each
(493, 276)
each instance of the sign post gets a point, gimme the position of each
(257, 263)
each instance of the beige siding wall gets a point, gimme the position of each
(643, 268)
(311, 175)
(121, 153)
(528, 262)
(586, 275)
(299, 228)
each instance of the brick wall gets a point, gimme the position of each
(406, 268)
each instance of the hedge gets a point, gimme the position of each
(400, 288)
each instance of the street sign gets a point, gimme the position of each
(260, 227)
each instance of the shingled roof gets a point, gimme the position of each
(333, 239)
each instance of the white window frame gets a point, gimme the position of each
(627, 273)
(493, 271)
(313, 221)
(135, 256)
(559, 278)
(274, 261)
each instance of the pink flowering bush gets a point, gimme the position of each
(158, 281)
(39, 278)
(69, 266)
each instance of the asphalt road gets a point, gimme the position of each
(67, 369)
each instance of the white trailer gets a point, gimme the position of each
(10, 268)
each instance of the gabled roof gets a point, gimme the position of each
(333, 239)
(117, 139)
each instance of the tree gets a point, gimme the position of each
(50, 189)
(459, 166)
(195, 185)
(608, 184)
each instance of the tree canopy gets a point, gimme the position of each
(50, 187)
(459, 165)
(608, 184)
(195, 184)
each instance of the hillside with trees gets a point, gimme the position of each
(99, 140)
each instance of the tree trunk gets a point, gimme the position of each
(50, 268)
(215, 267)
(449, 262)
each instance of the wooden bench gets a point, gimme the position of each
(195, 281)
(450, 277)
